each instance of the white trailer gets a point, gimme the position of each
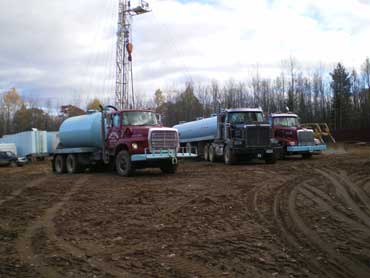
(29, 143)
(53, 141)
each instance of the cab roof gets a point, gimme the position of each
(134, 110)
(243, 110)
(275, 115)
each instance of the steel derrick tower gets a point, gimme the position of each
(124, 92)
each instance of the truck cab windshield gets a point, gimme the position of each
(245, 117)
(139, 118)
(286, 121)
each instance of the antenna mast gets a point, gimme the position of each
(125, 97)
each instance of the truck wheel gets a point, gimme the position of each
(270, 159)
(123, 164)
(206, 152)
(168, 168)
(211, 154)
(229, 157)
(306, 155)
(72, 164)
(60, 164)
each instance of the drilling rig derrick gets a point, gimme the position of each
(124, 92)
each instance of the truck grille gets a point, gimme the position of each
(305, 137)
(258, 136)
(163, 140)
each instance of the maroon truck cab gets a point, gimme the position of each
(292, 137)
(137, 139)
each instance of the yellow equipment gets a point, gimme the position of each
(321, 131)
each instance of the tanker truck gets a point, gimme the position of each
(234, 134)
(127, 140)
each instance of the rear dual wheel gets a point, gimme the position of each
(72, 164)
(59, 164)
(211, 154)
(206, 152)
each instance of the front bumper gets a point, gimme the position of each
(258, 152)
(304, 149)
(161, 155)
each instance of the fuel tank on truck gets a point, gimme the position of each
(81, 131)
(195, 131)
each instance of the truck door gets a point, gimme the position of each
(221, 126)
(227, 127)
(114, 128)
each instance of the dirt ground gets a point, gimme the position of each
(297, 218)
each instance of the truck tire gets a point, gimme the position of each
(206, 152)
(168, 168)
(306, 155)
(60, 164)
(72, 164)
(211, 154)
(270, 159)
(229, 157)
(123, 164)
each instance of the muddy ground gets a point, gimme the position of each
(298, 218)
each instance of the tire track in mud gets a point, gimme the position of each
(18, 192)
(278, 220)
(342, 263)
(24, 242)
(325, 202)
(298, 235)
(290, 237)
(183, 265)
(355, 189)
(29, 256)
(341, 191)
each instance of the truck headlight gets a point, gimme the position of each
(317, 141)
(292, 143)
(134, 146)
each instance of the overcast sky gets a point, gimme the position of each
(65, 50)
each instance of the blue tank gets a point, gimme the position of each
(201, 130)
(81, 131)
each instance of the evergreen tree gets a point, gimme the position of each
(341, 87)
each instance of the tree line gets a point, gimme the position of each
(18, 115)
(340, 98)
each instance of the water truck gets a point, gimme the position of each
(232, 135)
(293, 138)
(128, 140)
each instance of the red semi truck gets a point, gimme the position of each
(293, 138)
(128, 139)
